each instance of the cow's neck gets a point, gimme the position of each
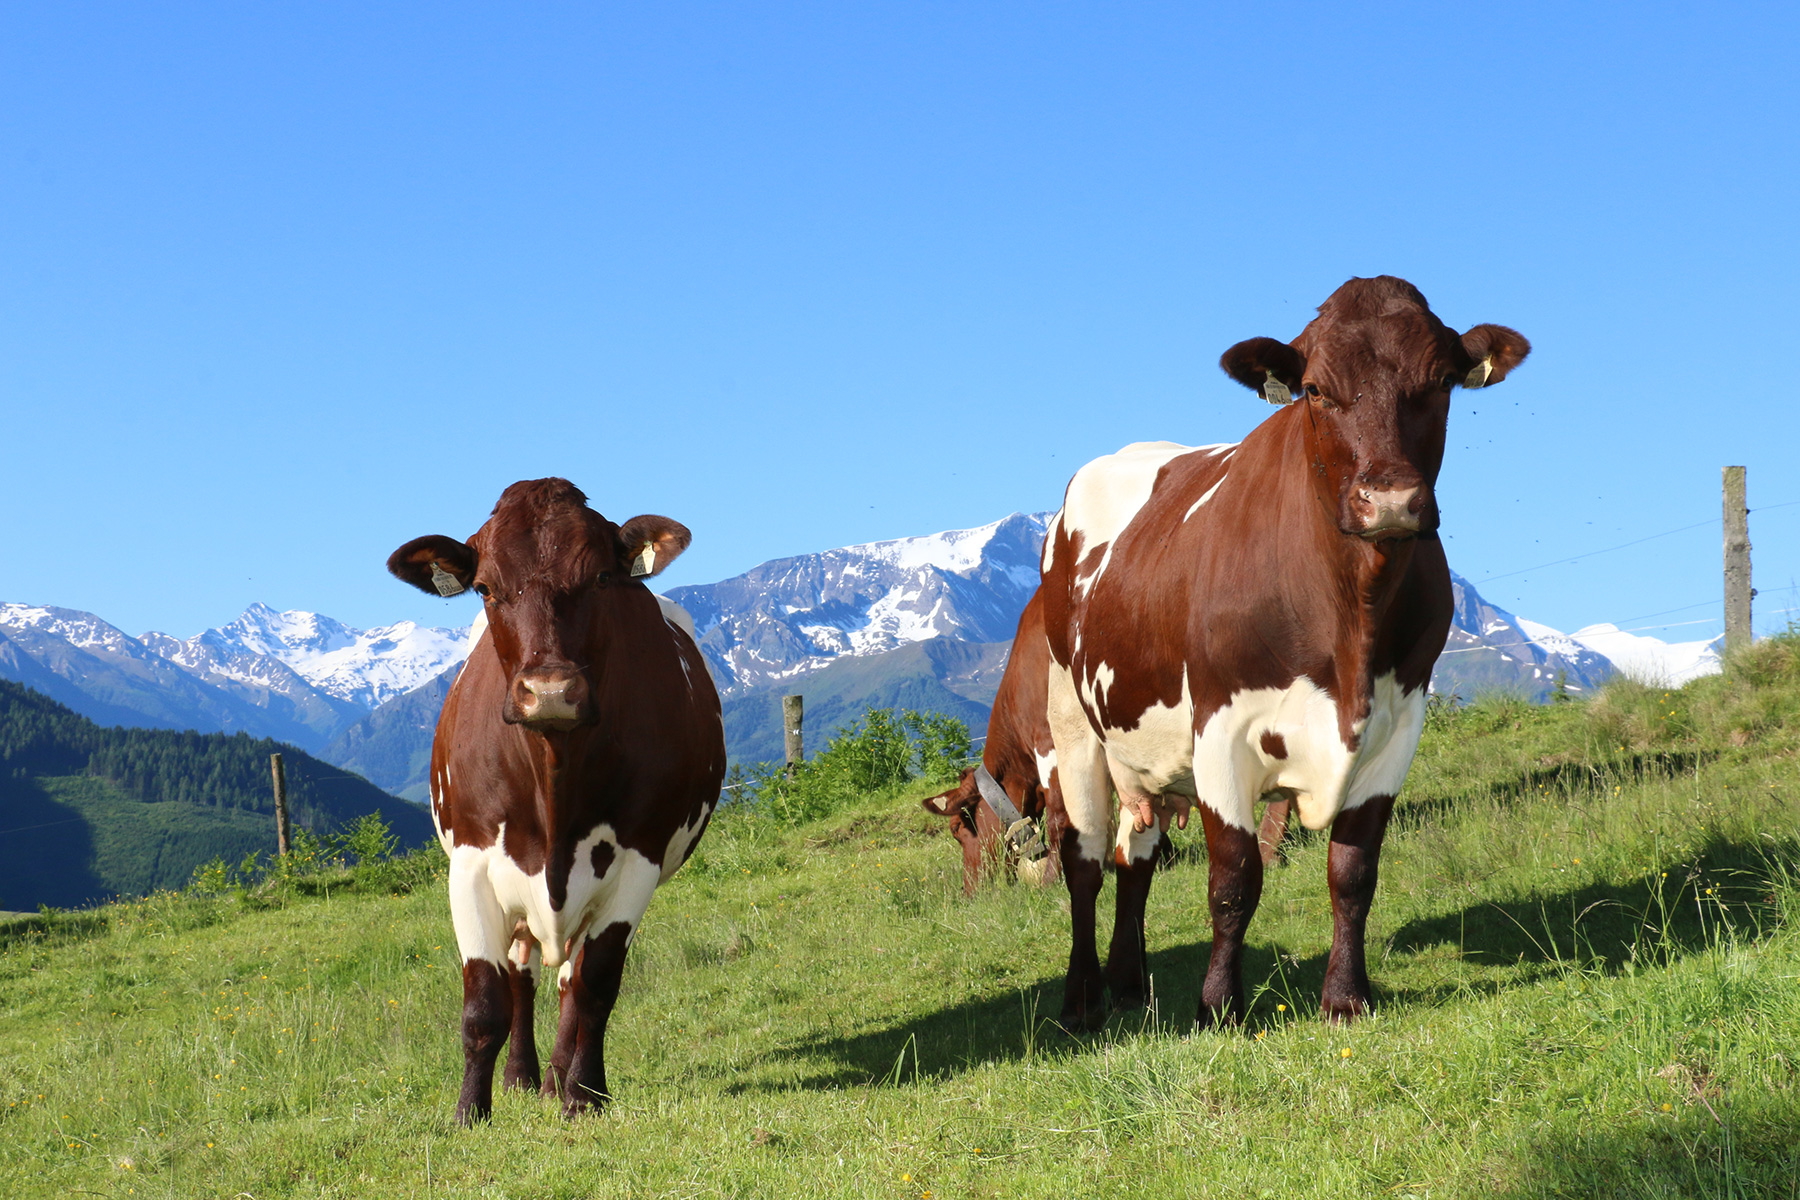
(1362, 579)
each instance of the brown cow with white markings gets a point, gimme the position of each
(1018, 756)
(577, 761)
(1235, 622)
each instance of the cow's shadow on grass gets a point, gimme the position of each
(1723, 891)
(1595, 927)
(1416, 812)
(1747, 1149)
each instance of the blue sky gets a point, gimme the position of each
(282, 286)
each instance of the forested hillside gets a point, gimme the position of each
(89, 811)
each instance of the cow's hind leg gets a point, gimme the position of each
(1087, 795)
(1127, 960)
(1355, 862)
(563, 1049)
(521, 1054)
(1273, 829)
(1233, 889)
(482, 936)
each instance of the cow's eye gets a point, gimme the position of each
(1450, 378)
(481, 589)
(1312, 389)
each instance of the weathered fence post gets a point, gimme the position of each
(791, 733)
(281, 817)
(1738, 591)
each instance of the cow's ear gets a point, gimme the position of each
(650, 543)
(1272, 369)
(1494, 350)
(948, 804)
(436, 564)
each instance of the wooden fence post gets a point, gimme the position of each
(1738, 591)
(281, 815)
(791, 725)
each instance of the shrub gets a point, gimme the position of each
(368, 839)
(881, 750)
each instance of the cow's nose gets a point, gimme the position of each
(1389, 512)
(549, 699)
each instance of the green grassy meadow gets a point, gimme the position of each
(1585, 948)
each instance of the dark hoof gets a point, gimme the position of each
(581, 1100)
(471, 1114)
(525, 1083)
(1225, 1016)
(1347, 1012)
(1082, 1020)
(1129, 1001)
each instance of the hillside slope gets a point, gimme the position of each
(1585, 947)
(391, 746)
(89, 812)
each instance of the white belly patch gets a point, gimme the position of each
(489, 893)
(1268, 739)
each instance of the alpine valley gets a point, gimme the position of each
(920, 622)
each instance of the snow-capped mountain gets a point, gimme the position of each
(1646, 659)
(795, 615)
(106, 674)
(365, 667)
(1490, 648)
(299, 677)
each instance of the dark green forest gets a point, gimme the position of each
(88, 812)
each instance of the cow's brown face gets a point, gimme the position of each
(1374, 370)
(545, 567)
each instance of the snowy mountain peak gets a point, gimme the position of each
(363, 666)
(262, 630)
(957, 551)
(794, 615)
(82, 630)
(1647, 659)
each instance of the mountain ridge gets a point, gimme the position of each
(367, 700)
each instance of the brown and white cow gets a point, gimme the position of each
(1231, 622)
(1018, 754)
(577, 761)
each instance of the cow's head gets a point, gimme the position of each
(544, 565)
(1374, 370)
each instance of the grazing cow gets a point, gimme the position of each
(577, 760)
(1018, 757)
(1232, 622)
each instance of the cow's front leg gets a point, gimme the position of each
(594, 989)
(521, 1055)
(1127, 959)
(483, 935)
(1084, 988)
(487, 1011)
(1085, 789)
(1233, 890)
(1354, 864)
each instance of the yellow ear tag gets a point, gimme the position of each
(1479, 376)
(445, 583)
(645, 562)
(1275, 391)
